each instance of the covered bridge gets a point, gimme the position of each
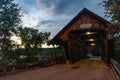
(85, 35)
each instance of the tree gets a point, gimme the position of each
(9, 21)
(39, 38)
(112, 8)
(32, 39)
(26, 35)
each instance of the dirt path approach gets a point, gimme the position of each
(82, 70)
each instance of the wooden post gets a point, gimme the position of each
(54, 53)
(110, 46)
(106, 51)
(69, 62)
(66, 53)
(103, 50)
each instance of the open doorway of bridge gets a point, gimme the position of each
(86, 36)
(87, 44)
(93, 51)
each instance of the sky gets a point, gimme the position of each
(53, 15)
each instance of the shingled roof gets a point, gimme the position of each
(56, 39)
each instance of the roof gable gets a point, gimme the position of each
(83, 11)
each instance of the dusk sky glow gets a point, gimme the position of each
(53, 15)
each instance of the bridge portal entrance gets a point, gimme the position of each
(93, 52)
(87, 44)
(86, 36)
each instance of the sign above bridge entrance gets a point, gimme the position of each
(86, 25)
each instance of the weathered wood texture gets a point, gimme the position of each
(84, 19)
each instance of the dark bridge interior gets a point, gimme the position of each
(87, 43)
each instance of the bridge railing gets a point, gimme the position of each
(116, 68)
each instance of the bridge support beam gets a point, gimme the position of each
(110, 48)
(67, 53)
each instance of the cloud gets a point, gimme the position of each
(53, 15)
(69, 7)
(26, 5)
(53, 26)
(43, 19)
(61, 6)
(62, 11)
(29, 21)
(45, 22)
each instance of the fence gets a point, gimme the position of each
(116, 68)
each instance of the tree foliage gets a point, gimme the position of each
(9, 21)
(112, 8)
(32, 39)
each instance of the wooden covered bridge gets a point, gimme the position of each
(85, 36)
